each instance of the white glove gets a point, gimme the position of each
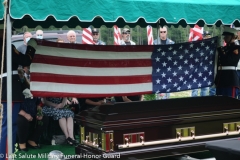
(32, 43)
(27, 93)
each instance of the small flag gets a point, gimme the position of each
(87, 36)
(195, 33)
(150, 35)
(117, 35)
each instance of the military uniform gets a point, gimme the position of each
(227, 81)
(18, 86)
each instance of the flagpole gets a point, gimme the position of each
(158, 24)
(9, 87)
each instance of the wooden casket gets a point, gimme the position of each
(158, 128)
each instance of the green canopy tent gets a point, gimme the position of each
(122, 12)
(110, 12)
(1, 13)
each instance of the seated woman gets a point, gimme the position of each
(128, 98)
(55, 107)
(30, 121)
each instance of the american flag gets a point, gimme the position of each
(195, 33)
(64, 70)
(117, 35)
(149, 35)
(87, 36)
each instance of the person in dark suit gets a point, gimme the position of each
(226, 81)
(18, 85)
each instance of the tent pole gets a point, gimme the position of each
(9, 87)
(158, 38)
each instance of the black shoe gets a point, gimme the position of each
(23, 149)
(72, 141)
(33, 147)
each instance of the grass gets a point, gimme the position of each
(172, 95)
(42, 154)
(181, 94)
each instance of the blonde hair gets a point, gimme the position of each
(60, 40)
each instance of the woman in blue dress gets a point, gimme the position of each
(55, 107)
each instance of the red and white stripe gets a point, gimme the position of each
(195, 33)
(87, 36)
(117, 35)
(90, 71)
(150, 35)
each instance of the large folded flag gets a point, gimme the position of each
(149, 35)
(117, 35)
(62, 69)
(195, 33)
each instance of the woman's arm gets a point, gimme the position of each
(22, 113)
(99, 103)
(74, 100)
(64, 102)
(126, 99)
(26, 115)
(48, 103)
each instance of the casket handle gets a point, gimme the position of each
(238, 128)
(87, 139)
(179, 136)
(126, 141)
(177, 140)
(188, 134)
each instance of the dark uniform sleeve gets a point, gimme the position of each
(17, 59)
(228, 56)
(22, 59)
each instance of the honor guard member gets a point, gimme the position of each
(237, 42)
(18, 85)
(226, 81)
(95, 36)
